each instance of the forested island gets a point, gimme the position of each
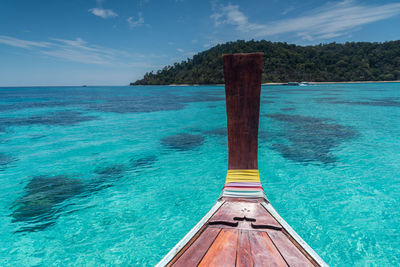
(334, 62)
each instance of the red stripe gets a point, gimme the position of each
(238, 186)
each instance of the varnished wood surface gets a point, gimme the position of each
(242, 245)
(231, 214)
(242, 74)
(223, 251)
(195, 252)
(288, 250)
(244, 257)
(264, 251)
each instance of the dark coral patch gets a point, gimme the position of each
(282, 92)
(267, 102)
(304, 153)
(182, 142)
(139, 103)
(5, 160)
(307, 139)
(110, 170)
(383, 102)
(324, 99)
(200, 97)
(107, 175)
(288, 109)
(143, 162)
(329, 93)
(158, 101)
(62, 118)
(297, 119)
(44, 196)
(127, 100)
(41, 204)
(37, 104)
(223, 131)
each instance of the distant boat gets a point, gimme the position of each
(291, 83)
(296, 83)
(242, 228)
(303, 84)
(84, 85)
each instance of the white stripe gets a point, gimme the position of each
(181, 244)
(295, 236)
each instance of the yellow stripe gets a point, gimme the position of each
(234, 176)
(255, 171)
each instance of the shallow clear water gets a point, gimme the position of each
(118, 175)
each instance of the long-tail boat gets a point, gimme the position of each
(242, 228)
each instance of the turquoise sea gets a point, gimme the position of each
(98, 176)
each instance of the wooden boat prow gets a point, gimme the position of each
(242, 228)
(242, 232)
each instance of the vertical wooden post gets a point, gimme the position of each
(242, 89)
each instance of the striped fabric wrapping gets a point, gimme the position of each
(243, 183)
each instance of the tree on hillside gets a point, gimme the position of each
(351, 61)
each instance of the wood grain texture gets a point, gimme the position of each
(263, 218)
(243, 254)
(242, 74)
(289, 251)
(223, 251)
(225, 213)
(198, 249)
(263, 251)
(230, 210)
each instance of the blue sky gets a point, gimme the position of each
(71, 42)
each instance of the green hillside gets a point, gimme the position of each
(361, 61)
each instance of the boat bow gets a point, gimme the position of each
(242, 228)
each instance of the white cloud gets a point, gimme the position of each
(76, 50)
(103, 13)
(79, 50)
(180, 50)
(136, 23)
(329, 21)
(77, 55)
(76, 42)
(21, 43)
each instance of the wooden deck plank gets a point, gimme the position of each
(243, 254)
(263, 251)
(225, 214)
(264, 218)
(230, 210)
(289, 251)
(223, 251)
(198, 249)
